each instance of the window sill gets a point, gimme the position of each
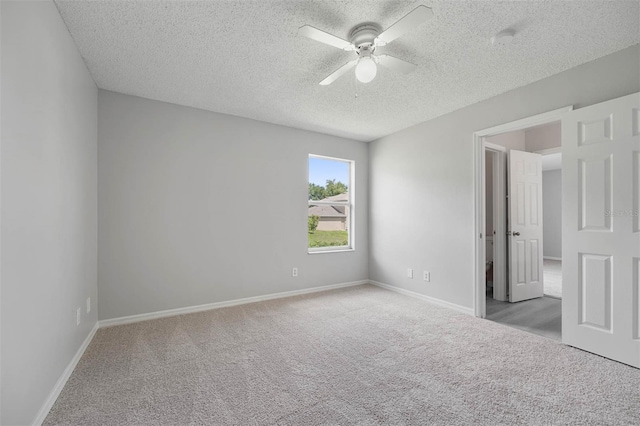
(332, 250)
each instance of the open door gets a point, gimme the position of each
(525, 224)
(601, 229)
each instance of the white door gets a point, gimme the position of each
(601, 229)
(525, 225)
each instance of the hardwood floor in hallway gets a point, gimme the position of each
(541, 316)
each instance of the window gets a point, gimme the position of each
(330, 212)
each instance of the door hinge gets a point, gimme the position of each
(481, 235)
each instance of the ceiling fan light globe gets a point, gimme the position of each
(366, 70)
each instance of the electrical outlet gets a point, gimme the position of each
(426, 276)
(409, 273)
(294, 272)
(78, 316)
(88, 304)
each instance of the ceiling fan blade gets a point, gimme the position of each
(396, 64)
(324, 37)
(338, 73)
(411, 20)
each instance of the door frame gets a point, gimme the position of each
(479, 231)
(499, 160)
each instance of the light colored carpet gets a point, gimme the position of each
(360, 355)
(553, 278)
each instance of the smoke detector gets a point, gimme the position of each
(503, 38)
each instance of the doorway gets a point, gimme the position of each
(536, 311)
(600, 308)
(541, 315)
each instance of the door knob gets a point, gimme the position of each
(515, 234)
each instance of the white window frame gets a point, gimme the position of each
(349, 204)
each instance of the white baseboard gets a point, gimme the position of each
(217, 305)
(551, 258)
(444, 304)
(55, 392)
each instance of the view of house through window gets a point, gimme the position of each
(330, 203)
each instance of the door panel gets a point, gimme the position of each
(535, 198)
(601, 239)
(595, 291)
(636, 191)
(595, 131)
(636, 297)
(525, 222)
(595, 194)
(534, 252)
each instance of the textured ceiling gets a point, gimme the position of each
(245, 58)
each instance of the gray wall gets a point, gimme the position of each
(543, 137)
(509, 140)
(552, 213)
(197, 207)
(421, 179)
(49, 204)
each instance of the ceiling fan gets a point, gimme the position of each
(364, 39)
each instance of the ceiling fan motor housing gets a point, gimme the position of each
(363, 35)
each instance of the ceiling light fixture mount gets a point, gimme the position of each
(364, 35)
(363, 38)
